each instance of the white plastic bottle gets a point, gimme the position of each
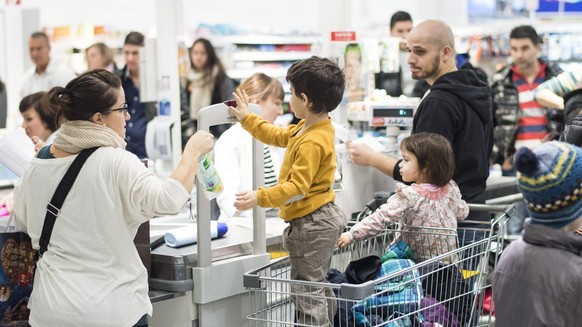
(189, 234)
(208, 177)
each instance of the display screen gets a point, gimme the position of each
(553, 6)
(393, 112)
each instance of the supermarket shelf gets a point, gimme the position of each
(270, 56)
(242, 73)
(265, 39)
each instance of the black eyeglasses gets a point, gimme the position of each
(123, 109)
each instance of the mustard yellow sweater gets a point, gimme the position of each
(307, 170)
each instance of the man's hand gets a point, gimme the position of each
(360, 153)
(242, 104)
(246, 200)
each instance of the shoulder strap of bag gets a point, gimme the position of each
(54, 206)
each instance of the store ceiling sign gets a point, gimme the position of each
(344, 36)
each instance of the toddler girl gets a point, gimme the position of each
(432, 200)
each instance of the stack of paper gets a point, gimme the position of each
(16, 150)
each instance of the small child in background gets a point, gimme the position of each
(303, 194)
(433, 200)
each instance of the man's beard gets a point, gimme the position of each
(430, 71)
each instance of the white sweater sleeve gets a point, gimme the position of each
(144, 193)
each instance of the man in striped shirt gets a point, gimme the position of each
(519, 119)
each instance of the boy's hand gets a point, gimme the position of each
(344, 241)
(246, 200)
(242, 104)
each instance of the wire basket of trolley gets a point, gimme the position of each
(381, 281)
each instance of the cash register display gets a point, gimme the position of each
(393, 112)
(392, 116)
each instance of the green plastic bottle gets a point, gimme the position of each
(208, 177)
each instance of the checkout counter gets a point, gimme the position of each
(202, 284)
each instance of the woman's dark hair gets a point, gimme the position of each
(434, 155)
(35, 102)
(94, 91)
(321, 80)
(212, 61)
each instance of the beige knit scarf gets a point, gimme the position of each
(77, 135)
(201, 92)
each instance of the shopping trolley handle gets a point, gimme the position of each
(357, 291)
(488, 207)
(252, 280)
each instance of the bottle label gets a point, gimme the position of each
(208, 175)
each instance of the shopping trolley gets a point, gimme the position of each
(448, 288)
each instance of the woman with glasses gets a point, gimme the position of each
(91, 273)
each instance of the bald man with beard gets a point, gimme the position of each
(457, 106)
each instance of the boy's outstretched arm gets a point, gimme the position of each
(242, 104)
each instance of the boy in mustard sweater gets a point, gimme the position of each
(304, 195)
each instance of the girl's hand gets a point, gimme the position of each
(242, 104)
(344, 241)
(246, 200)
(38, 144)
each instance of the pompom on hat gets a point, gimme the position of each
(550, 179)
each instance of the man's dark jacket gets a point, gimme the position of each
(459, 108)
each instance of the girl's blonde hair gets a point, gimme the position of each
(260, 87)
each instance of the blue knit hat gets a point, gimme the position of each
(550, 179)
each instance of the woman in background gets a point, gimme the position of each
(232, 153)
(40, 124)
(99, 55)
(206, 82)
(38, 120)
